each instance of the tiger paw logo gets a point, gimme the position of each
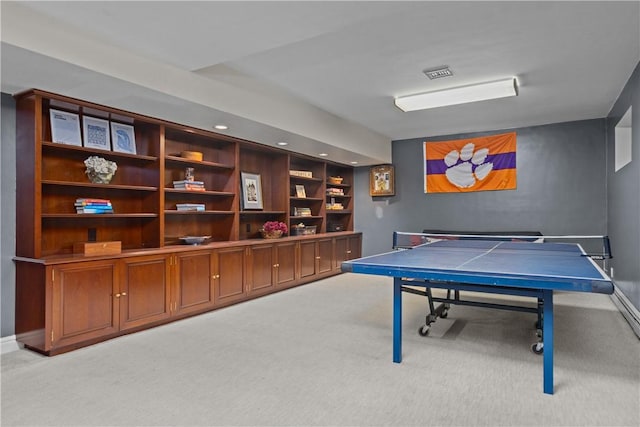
(468, 166)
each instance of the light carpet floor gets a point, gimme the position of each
(320, 355)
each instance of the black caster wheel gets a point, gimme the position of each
(537, 348)
(444, 314)
(424, 330)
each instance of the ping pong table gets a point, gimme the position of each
(528, 269)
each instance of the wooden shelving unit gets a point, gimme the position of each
(66, 300)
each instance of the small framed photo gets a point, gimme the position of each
(96, 133)
(300, 192)
(123, 138)
(65, 127)
(382, 181)
(251, 190)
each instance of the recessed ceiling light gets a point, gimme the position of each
(354, 163)
(282, 143)
(221, 127)
(323, 154)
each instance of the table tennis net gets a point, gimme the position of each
(596, 247)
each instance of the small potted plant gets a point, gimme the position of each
(273, 229)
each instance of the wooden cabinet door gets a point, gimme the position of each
(194, 281)
(262, 267)
(346, 248)
(341, 251)
(308, 266)
(230, 274)
(84, 302)
(144, 290)
(355, 247)
(325, 255)
(286, 262)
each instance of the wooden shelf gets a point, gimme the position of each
(101, 186)
(47, 145)
(198, 163)
(199, 193)
(173, 212)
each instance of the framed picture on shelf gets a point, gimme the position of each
(382, 181)
(251, 190)
(124, 138)
(300, 192)
(96, 133)
(65, 127)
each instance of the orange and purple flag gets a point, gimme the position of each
(473, 164)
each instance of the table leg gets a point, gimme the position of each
(397, 320)
(547, 341)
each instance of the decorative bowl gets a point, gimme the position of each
(194, 240)
(335, 180)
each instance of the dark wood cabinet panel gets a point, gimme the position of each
(325, 254)
(194, 279)
(144, 290)
(286, 261)
(229, 265)
(262, 268)
(345, 249)
(84, 304)
(307, 260)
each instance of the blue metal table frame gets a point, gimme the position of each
(522, 269)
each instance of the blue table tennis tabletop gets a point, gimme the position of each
(499, 266)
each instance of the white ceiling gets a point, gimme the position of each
(323, 75)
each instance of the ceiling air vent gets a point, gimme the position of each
(436, 73)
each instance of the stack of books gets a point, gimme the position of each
(335, 206)
(190, 207)
(189, 185)
(93, 206)
(301, 211)
(335, 191)
(303, 174)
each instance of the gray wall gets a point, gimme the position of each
(7, 215)
(561, 173)
(623, 195)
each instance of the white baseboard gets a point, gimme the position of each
(628, 310)
(9, 344)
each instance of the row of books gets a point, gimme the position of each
(189, 185)
(93, 206)
(335, 191)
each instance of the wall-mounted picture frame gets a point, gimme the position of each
(382, 181)
(95, 133)
(300, 191)
(251, 184)
(123, 138)
(65, 127)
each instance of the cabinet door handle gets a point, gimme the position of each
(117, 295)
(276, 265)
(123, 294)
(348, 252)
(317, 257)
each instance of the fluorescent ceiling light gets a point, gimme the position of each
(221, 127)
(458, 95)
